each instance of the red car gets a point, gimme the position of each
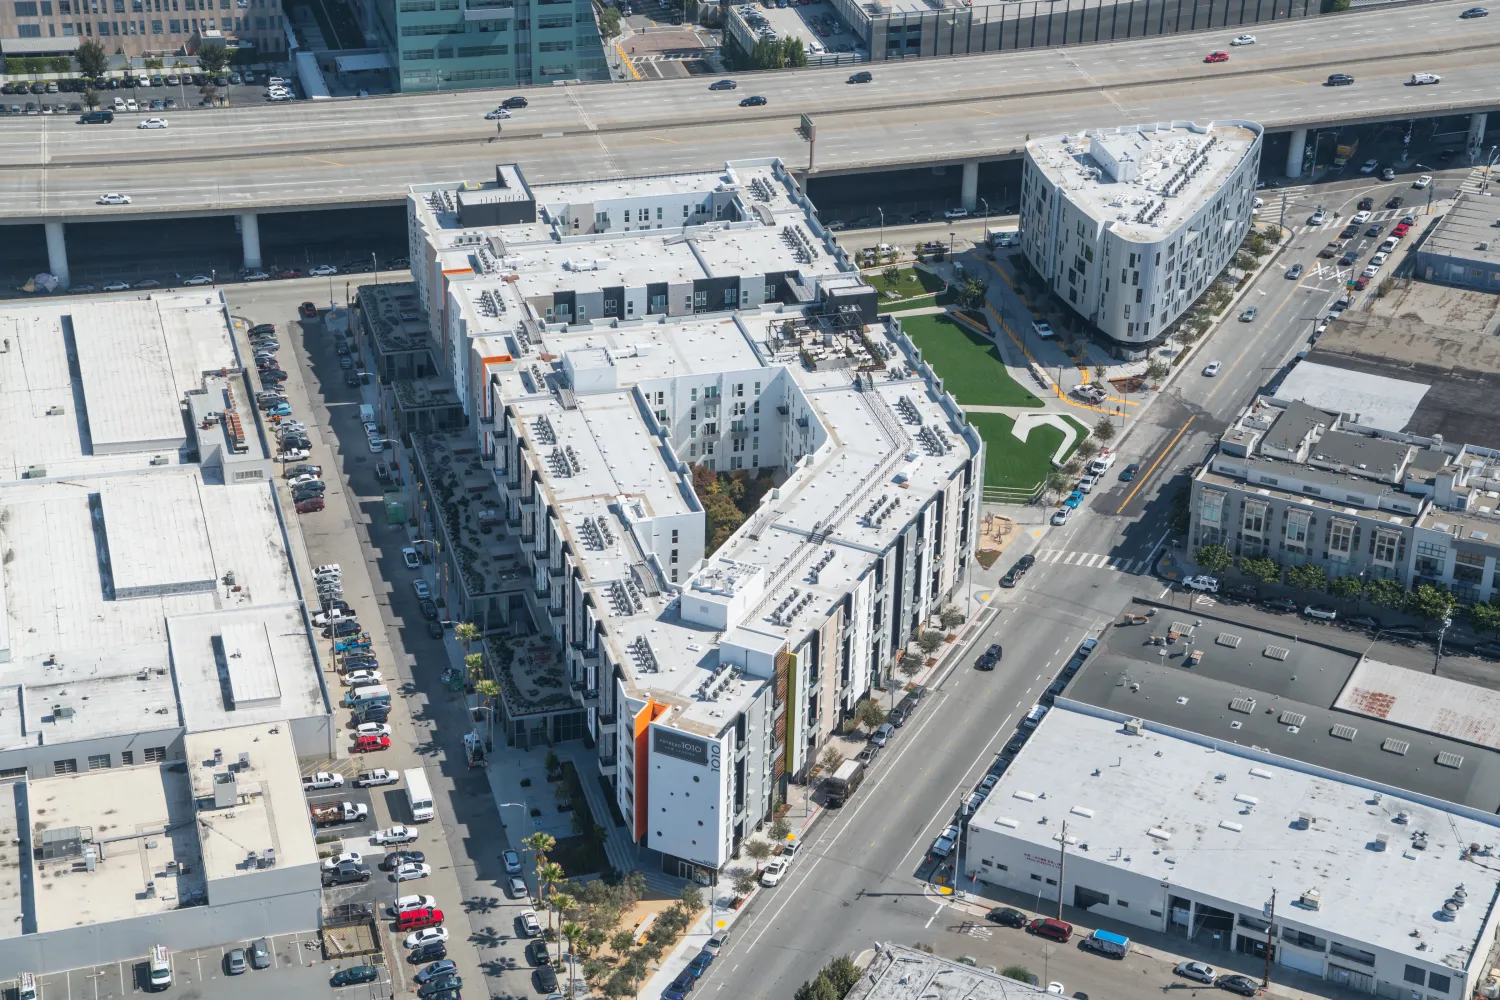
(289, 272)
(415, 920)
(309, 505)
(1401, 230)
(309, 311)
(1360, 283)
(371, 742)
(1220, 56)
(1057, 930)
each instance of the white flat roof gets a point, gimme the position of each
(1374, 400)
(1173, 811)
(1112, 174)
(128, 387)
(269, 819)
(1418, 700)
(141, 511)
(264, 652)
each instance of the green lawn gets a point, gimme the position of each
(968, 363)
(1010, 463)
(914, 282)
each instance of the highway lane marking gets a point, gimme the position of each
(660, 139)
(331, 163)
(1165, 452)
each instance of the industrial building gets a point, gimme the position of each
(610, 340)
(897, 972)
(1374, 888)
(1463, 249)
(158, 680)
(1129, 225)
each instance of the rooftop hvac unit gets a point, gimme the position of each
(1311, 899)
(1134, 726)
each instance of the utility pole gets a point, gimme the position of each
(1265, 979)
(1061, 860)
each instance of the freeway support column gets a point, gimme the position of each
(1295, 152)
(57, 254)
(971, 185)
(250, 236)
(1477, 123)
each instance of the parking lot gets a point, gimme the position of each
(297, 970)
(818, 25)
(184, 95)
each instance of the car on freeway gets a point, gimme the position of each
(771, 874)
(397, 834)
(113, 199)
(863, 76)
(153, 123)
(323, 271)
(1248, 316)
(308, 311)
(513, 102)
(1129, 472)
(1212, 368)
(1243, 40)
(1317, 218)
(1423, 79)
(497, 115)
(411, 871)
(1339, 80)
(1217, 56)
(426, 934)
(1321, 612)
(722, 85)
(1370, 166)
(354, 975)
(1474, 12)
(1197, 971)
(1294, 272)
(755, 101)
(531, 923)
(1243, 985)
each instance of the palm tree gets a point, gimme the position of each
(548, 875)
(489, 690)
(539, 844)
(574, 932)
(475, 663)
(562, 904)
(466, 633)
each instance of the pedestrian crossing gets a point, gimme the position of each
(1474, 183)
(1379, 215)
(1094, 560)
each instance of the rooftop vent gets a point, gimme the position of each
(1293, 719)
(1343, 732)
(1311, 899)
(1449, 759)
(1395, 746)
(1246, 705)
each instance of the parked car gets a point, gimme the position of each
(355, 975)
(1321, 612)
(369, 744)
(1243, 985)
(411, 872)
(1006, 917)
(396, 859)
(393, 834)
(410, 558)
(308, 311)
(771, 874)
(436, 971)
(1048, 927)
(531, 923)
(1197, 971)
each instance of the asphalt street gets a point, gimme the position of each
(361, 152)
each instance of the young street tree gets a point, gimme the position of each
(868, 714)
(1261, 568)
(212, 57)
(1307, 577)
(1484, 617)
(1348, 588)
(91, 58)
(759, 851)
(1213, 558)
(1104, 430)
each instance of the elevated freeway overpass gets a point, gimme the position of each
(939, 112)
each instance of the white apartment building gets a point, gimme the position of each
(1376, 889)
(613, 336)
(1129, 225)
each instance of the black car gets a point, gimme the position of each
(1243, 985)
(396, 859)
(1014, 574)
(1375, 230)
(354, 975)
(1279, 604)
(373, 713)
(428, 608)
(1348, 259)
(352, 380)
(1339, 80)
(1351, 231)
(434, 630)
(722, 85)
(432, 951)
(1365, 204)
(1395, 202)
(441, 984)
(863, 76)
(546, 979)
(1361, 621)
(513, 102)
(1017, 741)
(1474, 12)
(753, 102)
(989, 657)
(1006, 917)
(537, 953)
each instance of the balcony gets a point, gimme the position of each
(742, 751)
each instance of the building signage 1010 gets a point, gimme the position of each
(681, 746)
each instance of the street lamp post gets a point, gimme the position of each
(375, 264)
(882, 224)
(985, 224)
(1441, 632)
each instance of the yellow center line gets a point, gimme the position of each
(660, 139)
(1147, 474)
(331, 163)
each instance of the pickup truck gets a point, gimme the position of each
(323, 779)
(379, 776)
(339, 812)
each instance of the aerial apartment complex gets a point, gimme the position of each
(1130, 225)
(158, 681)
(611, 341)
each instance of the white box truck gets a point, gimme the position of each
(418, 795)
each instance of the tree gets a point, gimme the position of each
(1347, 588)
(90, 98)
(1307, 577)
(574, 933)
(1018, 972)
(780, 830)
(742, 880)
(692, 896)
(1156, 370)
(892, 277)
(950, 617)
(830, 758)
(1484, 617)
(91, 57)
(1432, 603)
(466, 633)
(1054, 484)
(1213, 558)
(1261, 568)
(1104, 430)
(930, 641)
(843, 973)
(759, 851)
(621, 942)
(909, 665)
(212, 57)
(475, 663)
(971, 295)
(539, 844)
(1087, 449)
(562, 904)
(868, 714)
(609, 22)
(1385, 593)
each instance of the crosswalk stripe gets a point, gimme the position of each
(1093, 560)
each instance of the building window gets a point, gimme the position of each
(1430, 559)
(69, 766)
(155, 755)
(26, 8)
(98, 761)
(1036, 878)
(127, 758)
(1415, 975)
(1254, 521)
(28, 31)
(1296, 529)
(1383, 547)
(1438, 982)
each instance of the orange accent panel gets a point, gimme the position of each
(643, 720)
(497, 359)
(458, 270)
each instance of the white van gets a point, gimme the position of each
(366, 414)
(368, 695)
(1034, 716)
(159, 963)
